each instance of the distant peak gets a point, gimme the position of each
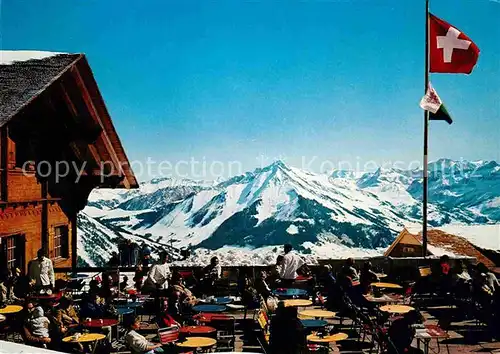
(275, 165)
(279, 163)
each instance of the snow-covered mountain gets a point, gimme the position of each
(281, 204)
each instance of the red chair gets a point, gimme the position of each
(168, 335)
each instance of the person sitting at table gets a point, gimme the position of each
(138, 278)
(136, 342)
(165, 320)
(491, 279)
(292, 262)
(274, 274)
(213, 271)
(209, 275)
(460, 272)
(334, 294)
(444, 264)
(401, 332)
(65, 316)
(246, 290)
(287, 335)
(262, 286)
(367, 277)
(29, 337)
(19, 283)
(94, 287)
(124, 283)
(186, 296)
(107, 289)
(92, 306)
(349, 270)
(41, 272)
(7, 295)
(39, 323)
(175, 307)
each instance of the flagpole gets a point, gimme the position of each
(426, 136)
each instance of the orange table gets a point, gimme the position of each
(85, 338)
(384, 298)
(387, 285)
(10, 309)
(327, 339)
(297, 303)
(196, 342)
(397, 309)
(197, 330)
(318, 313)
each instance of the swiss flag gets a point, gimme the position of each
(451, 51)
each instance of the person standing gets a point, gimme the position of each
(122, 251)
(291, 263)
(145, 256)
(133, 253)
(41, 271)
(213, 271)
(367, 277)
(158, 275)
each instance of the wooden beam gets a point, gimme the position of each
(68, 100)
(95, 115)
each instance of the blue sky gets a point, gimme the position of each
(253, 81)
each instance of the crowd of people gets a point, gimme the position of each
(45, 323)
(50, 314)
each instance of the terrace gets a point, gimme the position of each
(331, 319)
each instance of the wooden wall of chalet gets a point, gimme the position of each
(406, 250)
(26, 209)
(27, 221)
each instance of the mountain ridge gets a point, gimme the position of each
(279, 204)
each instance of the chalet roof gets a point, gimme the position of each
(442, 243)
(24, 75)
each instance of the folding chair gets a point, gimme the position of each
(168, 335)
(226, 328)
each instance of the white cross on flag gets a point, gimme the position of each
(451, 51)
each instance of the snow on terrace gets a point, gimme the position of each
(8, 57)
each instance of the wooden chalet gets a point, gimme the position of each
(52, 115)
(409, 244)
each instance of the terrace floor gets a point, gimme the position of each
(465, 336)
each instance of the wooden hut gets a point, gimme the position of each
(57, 143)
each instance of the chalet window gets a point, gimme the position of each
(408, 249)
(61, 244)
(12, 252)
